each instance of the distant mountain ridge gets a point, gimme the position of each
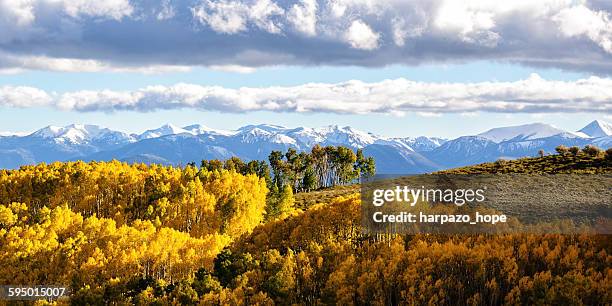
(597, 128)
(521, 132)
(175, 145)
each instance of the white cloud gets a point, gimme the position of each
(77, 65)
(18, 17)
(233, 68)
(566, 34)
(361, 36)
(262, 12)
(231, 17)
(429, 114)
(23, 11)
(464, 18)
(469, 114)
(400, 96)
(222, 16)
(579, 20)
(18, 12)
(303, 17)
(400, 31)
(342, 8)
(470, 23)
(22, 96)
(166, 12)
(114, 9)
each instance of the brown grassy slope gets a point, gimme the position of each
(567, 163)
(304, 200)
(580, 163)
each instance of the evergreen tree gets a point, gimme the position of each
(280, 203)
(591, 150)
(309, 182)
(235, 164)
(276, 163)
(366, 167)
(574, 150)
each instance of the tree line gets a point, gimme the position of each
(322, 167)
(303, 171)
(287, 173)
(589, 150)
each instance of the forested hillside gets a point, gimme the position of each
(195, 201)
(119, 233)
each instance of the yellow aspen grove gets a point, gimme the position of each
(195, 201)
(60, 246)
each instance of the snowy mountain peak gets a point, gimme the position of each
(81, 134)
(264, 127)
(521, 132)
(335, 134)
(166, 129)
(255, 142)
(421, 143)
(50, 131)
(597, 128)
(198, 129)
(74, 133)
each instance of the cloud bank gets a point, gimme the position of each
(145, 35)
(396, 97)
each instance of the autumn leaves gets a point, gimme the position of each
(87, 223)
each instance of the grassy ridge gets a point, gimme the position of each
(567, 163)
(304, 200)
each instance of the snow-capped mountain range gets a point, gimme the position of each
(174, 145)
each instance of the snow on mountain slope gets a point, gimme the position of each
(166, 129)
(347, 135)
(257, 134)
(597, 128)
(603, 142)
(266, 127)
(469, 150)
(55, 143)
(174, 145)
(198, 129)
(305, 138)
(8, 134)
(81, 134)
(422, 143)
(75, 133)
(521, 132)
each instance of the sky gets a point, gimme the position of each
(396, 68)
